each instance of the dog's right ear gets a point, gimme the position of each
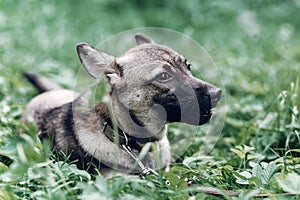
(94, 61)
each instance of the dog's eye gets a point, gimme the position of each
(163, 77)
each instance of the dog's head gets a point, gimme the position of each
(153, 82)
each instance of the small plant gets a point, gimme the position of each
(245, 153)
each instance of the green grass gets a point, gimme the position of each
(254, 43)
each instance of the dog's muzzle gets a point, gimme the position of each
(191, 105)
(207, 99)
(215, 95)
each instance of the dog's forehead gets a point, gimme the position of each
(150, 53)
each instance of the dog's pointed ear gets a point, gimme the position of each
(141, 39)
(96, 62)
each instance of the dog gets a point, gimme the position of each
(151, 87)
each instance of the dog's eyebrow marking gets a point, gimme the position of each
(168, 68)
(179, 63)
(170, 64)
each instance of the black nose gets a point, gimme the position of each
(215, 95)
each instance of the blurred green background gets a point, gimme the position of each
(254, 43)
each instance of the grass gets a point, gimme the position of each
(254, 43)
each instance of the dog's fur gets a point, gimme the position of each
(151, 86)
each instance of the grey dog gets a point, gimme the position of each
(151, 86)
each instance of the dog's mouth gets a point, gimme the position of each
(205, 117)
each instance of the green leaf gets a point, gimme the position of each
(7, 195)
(249, 194)
(243, 179)
(247, 149)
(268, 172)
(289, 183)
(84, 174)
(253, 156)
(3, 167)
(238, 152)
(173, 181)
(257, 171)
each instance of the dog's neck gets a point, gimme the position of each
(114, 133)
(151, 126)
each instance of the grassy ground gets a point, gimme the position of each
(256, 46)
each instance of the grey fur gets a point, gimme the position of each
(143, 102)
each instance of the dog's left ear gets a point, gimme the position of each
(141, 39)
(96, 62)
